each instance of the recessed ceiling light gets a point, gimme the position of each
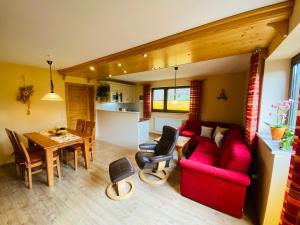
(109, 75)
(92, 68)
(125, 71)
(119, 64)
(145, 55)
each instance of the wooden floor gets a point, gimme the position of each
(79, 198)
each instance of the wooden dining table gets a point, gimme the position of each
(49, 146)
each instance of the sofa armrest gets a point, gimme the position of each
(182, 127)
(220, 173)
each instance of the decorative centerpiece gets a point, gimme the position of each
(57, 131)
(279, 127)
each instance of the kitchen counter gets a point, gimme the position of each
(118, 111)
(123, 128)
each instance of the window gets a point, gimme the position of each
(163, 99)
(294, 90)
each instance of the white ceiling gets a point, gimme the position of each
(227, 65)
(76, 31)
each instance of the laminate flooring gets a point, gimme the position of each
(79, 198)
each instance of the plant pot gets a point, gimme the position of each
(277, 133)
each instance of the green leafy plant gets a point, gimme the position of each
(102, 90)
(287, 139)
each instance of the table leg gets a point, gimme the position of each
(49, 164)
(179, 150)
(86, 153)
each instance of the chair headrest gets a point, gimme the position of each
(167, 142)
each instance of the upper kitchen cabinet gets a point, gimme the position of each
(115, 92)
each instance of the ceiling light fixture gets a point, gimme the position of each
(174, 102)
(119, 64)
(92, 68)
(51, 96)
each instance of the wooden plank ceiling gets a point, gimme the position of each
(238, 34)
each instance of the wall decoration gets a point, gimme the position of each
(222, 95)
(25, 92)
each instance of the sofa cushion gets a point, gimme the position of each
(236, 157)
(196, 140)
(206, 131)
(209, 148)
(204, 158)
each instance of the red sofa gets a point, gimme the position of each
(216, 177)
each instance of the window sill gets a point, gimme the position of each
(272, 145)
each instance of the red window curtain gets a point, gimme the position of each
(196, 99)
(253, 98)
(147, 101)
(291, 206)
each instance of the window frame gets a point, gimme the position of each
(292, 88)
(165, 110)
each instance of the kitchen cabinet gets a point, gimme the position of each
(127, 90)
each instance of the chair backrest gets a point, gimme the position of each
(22, 147)
(80, 125)
(167, 142)
(18, 154)
(89, 130)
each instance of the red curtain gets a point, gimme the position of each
(253, 98)
(291, 206)
(147, 101)
(196, 99)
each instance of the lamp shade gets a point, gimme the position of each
(52, 97)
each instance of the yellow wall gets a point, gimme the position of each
(231, 110)
(44, 114)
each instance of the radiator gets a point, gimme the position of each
(159, 122)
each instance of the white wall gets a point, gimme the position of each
(275, 88)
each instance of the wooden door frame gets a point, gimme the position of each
(92, 97)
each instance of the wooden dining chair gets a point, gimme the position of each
(80, 125)
(17, 153)
(32, 162)
(89, 130)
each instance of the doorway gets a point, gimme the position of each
(80, 103)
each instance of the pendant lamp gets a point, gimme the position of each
(174, 102)
(51, 96)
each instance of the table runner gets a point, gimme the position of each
(61, 138)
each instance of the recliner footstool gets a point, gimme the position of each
(119, 171)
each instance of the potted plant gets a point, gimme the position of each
(287, 139)
(278, 128)
(102, 92)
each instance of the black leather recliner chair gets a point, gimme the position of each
(155, 157)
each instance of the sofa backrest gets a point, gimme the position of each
(195, 125)
(235, 153)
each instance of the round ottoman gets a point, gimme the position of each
(120, 187)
